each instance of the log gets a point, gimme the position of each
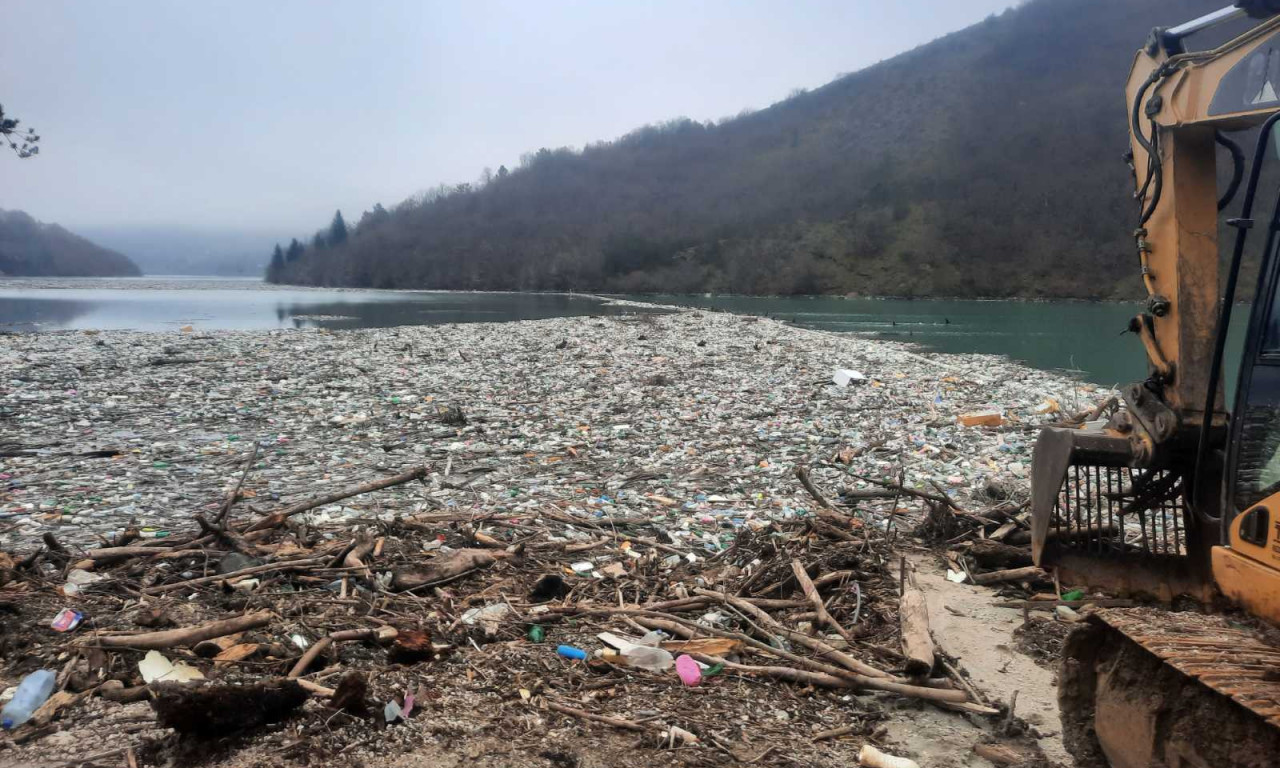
(187, 635)
(917, 642)
(1031, 573)
(443, 569)
(993, 554)
(1079, 534)
(277, 518)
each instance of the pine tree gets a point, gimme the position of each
(295, 251)
(337, 230)
(276, 265)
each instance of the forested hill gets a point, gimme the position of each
(33, 248)
(986, 163)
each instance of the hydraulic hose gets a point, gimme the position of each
(1237, 168)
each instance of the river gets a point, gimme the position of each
(1084, 337)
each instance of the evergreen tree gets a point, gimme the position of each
(318, 241)
(337, 230)
(276, 265)
(295, 251)
(502, 171)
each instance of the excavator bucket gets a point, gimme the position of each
(1062, 464)
(1107, 524)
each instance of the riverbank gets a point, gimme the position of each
(691, 423)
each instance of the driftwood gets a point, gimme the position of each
(187, 635)
(870, 757)
(1049, 605)
(277, 518)
(993, 554)
(383, 634)
(815, 599)
(616, 722)
(355, 558)
(1075, 535)
(999, 754)
(284, 566)
(802, 475)
(913, 617)
(799, 638)
(235, 492)
(443, 569)
(1031, 573)
(844, 680)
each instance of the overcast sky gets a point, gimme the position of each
(267, 116)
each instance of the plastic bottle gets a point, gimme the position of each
(569, 652)
(646, 658)
(34, 689)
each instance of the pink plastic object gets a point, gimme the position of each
(688, 670)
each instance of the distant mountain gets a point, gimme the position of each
(985, 163)
(33, 248)
(169, 250)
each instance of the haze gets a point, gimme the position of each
(265, 117)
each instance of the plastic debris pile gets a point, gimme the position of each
(395, 537)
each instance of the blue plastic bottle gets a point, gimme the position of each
(569, 652)
(34, 689)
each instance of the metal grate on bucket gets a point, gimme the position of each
(1106, 510)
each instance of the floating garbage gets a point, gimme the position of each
(378, 503)
(843, 377)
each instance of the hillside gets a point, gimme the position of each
(33, 248)
(986, 163)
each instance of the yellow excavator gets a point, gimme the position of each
(1165, 493)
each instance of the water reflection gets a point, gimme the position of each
(156, 309)
(26, 315)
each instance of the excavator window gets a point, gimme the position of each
(1256, 427)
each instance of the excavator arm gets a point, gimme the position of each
(1159, 459)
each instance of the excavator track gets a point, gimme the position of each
(1146, 688)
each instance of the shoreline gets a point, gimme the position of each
(217, 282)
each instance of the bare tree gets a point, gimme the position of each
(11, 135)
